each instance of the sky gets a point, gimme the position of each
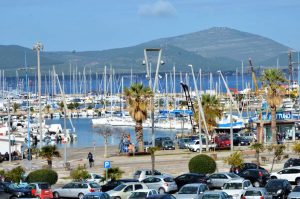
(81, 25)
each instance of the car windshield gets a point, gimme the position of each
(138, 195)
(233, 186)
(252, 193)
(188, 190)
(274, 185)
(211, 196)
(232, 175)
(120, 187)
(44, 186)
(94, 185)
(13, 186)
(168, 179)
(296, 189)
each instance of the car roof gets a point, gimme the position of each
(213, 192)
(144, 190)
(256, 189)
(237, 180)
(294, 167)
(132, 183)
(193, 185)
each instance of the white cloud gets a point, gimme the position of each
(160, 8)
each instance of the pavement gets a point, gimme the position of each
(174, 162)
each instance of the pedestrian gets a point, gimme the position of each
(91, 159)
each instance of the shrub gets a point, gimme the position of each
(113, 173)
(43, 175)
(202, 164)
(15, 174)
(235, 160)
(80, 173)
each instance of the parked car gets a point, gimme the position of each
(258, 177)
(159, 141)
(142, 193)
(192, 191)
(141, 174)
(15, 191)
(168, 145)
(241, 141)
(245, 166)
(217, 180)
(278, 188)
(161, 184)
(114, 183)
(295, 193)
(189, 178)
(256, 193)
(195, 146)
(5, 195)
(124, 190)
(182, 142)
(236, 188)
(250, 136)
(96, 195)
(165, 196)
(76, 190)
(292, 174)
(215, 195)
(95, 178)
(292, 162)
(222, 142)
(41, 189)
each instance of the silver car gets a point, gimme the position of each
(76, 190)
(161, 184)
(141, 174)
(256, 193)
(193, 191)
(217, 180)
(215, 195)
(295, 194)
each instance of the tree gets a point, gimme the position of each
(296, 148)
(152, 151)
(49, 152)
(105, 132)
(212, 110)
(272, 79)
(15, 174)
(235, 160)
(258, 147)
(15, 107)
(278, 152)
(113, 173)
(138, 100)
(203, 164)
(80, 173)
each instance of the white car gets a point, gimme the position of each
(292, 174)
(95, 178)
(142, 193)
(123, 191)
(236, 188)
(195, 146)
(141, 174)
(76, 190)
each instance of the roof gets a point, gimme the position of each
(144, 190)
(194, 184)
(237, 180)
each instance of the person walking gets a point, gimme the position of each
(91, 159)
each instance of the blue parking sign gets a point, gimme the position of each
(106, 164)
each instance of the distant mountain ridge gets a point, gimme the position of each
(211, 50)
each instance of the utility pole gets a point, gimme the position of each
(8, 125)
(38, 47)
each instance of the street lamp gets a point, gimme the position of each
(159, 62)
(38, 47)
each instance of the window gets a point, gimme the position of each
(222, 176)
(137, 173)
(252, 193)
(68, 186)
(147, 180)
(168, 179)
(156, 180)
(94, 185)
(210, 196)
(128, 188)
(214, 176)
(148, 173)
(157, 172)
(138, 186)
(44, 186)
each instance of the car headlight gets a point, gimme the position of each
(279, 191)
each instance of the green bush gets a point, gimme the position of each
(15, 174)
(202, 164)
(113, 173)
(43, 175)
(235, 159)
(80, 173)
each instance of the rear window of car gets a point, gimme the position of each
(44, 186)
(252, 193)
(211, 196)
(168, 179)
(94, 185)
(296, 189)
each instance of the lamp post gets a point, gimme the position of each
(159, 62)
(38, 47)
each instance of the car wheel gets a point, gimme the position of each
(56, 195)
(80, 196)
(161, 191)
(297, 181)
(198, 150)
(256, 184)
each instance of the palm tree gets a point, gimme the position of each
(49, 152)
(152, 151)
(212, 110)
(272, 79)
(258, 147)
(138, 100)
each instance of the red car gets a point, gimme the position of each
(41, 190)
(222, 142)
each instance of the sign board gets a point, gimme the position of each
(282, 115)
(106, 164)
